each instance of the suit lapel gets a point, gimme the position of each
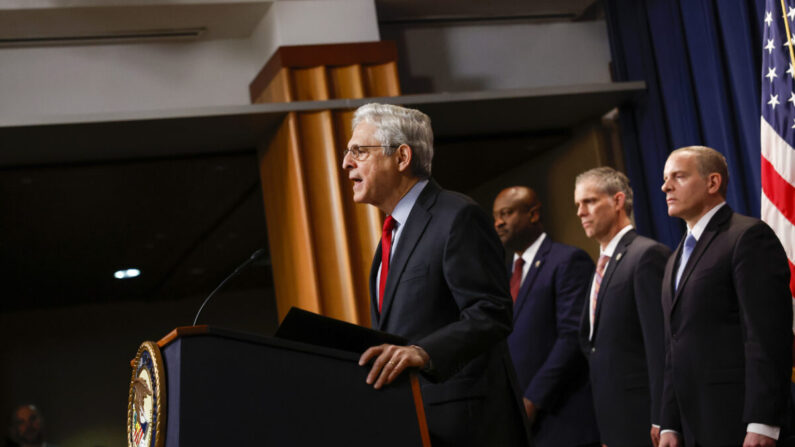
(376, 317)
(412, 231)
(713, 228)
(670, 275)
(537, 264)
(615, 261)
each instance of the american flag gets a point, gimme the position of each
(778, 127)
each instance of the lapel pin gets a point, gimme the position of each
(538, 263)
(618, 257)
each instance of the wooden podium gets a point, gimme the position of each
(225, 388)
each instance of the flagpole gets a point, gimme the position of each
(789, 37)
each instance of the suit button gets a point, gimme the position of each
(593, 349)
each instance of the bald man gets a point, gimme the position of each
(549, 283)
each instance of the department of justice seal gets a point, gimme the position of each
(146, 404)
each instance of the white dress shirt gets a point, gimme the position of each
(529, 256)
(401, 214)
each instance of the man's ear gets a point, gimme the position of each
(620, 198)
(404, 155)
(535, 212)
(714, 181)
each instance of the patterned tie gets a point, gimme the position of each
(687, 250)
(516, 277)
(386, 247)
(600, 271)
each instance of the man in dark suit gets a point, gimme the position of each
(438, 280)
(621, 329)
(549, 283)
(728, 315)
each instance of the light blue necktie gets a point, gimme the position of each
(690, 244)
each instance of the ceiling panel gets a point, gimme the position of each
(184, 222)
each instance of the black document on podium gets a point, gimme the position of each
(307, 327)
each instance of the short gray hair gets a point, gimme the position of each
(610, 182)
(397, 125)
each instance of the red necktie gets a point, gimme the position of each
(386, 247)
(516, 277)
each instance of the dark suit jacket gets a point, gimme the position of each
(626, 352)
(447, 292)
(552, 371)
(728, 332)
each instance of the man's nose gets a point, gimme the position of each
(346, 161)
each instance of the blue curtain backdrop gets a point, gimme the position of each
(700, 60)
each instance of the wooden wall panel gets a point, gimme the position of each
(289, 228)
(322, 242)
(279, 90)
(329, 230)
(346, 82)
(309, 84)
(382, 80)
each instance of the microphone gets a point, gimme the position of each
(254, 256)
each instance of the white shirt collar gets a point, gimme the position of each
(611, 247)
(530, 252)
(701, 225)
(406, 203)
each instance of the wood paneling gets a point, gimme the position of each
(330, 55)
(346, 81)
(321, 242)
(382, 80)
(286, 213)
(278, 90)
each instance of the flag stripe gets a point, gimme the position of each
(792, 282)
(777, 135)
(778, 153)
(778, 191)
(783, 228)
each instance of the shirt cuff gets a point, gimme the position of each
(762, 429)
(669, 431)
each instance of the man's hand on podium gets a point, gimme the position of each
(390, 361)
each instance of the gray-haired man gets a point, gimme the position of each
(438, 280)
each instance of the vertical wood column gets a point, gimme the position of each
(321, 242)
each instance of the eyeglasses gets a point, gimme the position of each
(358, 154)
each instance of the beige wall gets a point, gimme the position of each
(39, 82)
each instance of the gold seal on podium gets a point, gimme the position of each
(146, 405)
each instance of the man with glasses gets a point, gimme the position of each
(438, 280)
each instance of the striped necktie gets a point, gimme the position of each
(600, 271)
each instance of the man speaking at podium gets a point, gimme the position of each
(437, 280)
